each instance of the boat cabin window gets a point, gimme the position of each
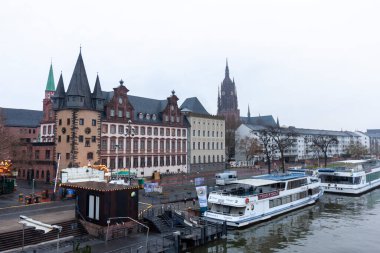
(331, 179)
(297, 183)
(227, 210)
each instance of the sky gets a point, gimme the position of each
(311, 63)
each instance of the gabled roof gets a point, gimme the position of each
(193, 105)
(50, 85)
(21, 117)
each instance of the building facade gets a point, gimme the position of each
(206, 141)
(301, 148)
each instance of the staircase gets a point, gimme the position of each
(13, 239)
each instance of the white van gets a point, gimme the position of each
(227, 177)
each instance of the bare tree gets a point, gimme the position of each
(322, 143)
(356, 150)
(284, 138)
(267, 145)
(250, 147)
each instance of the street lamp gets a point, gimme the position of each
(129, 132)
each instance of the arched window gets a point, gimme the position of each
(194, 159)
(90, 156)
(42, 174)
(199, 159)
(37, 174)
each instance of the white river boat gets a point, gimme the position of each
(351, 176)
(260, 198)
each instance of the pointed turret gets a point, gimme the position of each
(227, 70)
(249, 116)
(59, 96)
(79, 92)
(97, 95)
(97, 89)
(50, 86)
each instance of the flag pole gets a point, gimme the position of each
(56, 174)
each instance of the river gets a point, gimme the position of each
(336, 224)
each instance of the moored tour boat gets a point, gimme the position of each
(351, 176)
(259, 198)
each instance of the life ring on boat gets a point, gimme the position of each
(247, 200)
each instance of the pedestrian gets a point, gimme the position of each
(184, 201)
(193, 201)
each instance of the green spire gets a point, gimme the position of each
(50, 86)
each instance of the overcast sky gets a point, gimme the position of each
(313, 64)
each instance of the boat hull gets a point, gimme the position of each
(248, 220)
(350, 190)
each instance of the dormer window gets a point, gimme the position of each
(128, 114)
(166, 118)
(147, 116)
(154, 117)
(112, 113)
(178, 119)
(141, 115)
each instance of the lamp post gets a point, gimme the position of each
(129, 132)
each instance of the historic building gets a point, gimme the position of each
(47, 123)
(144, 134)
(117, 129)
(228, 108)
(77, 119)
(227, 100)
(31, 158)
(206, 136)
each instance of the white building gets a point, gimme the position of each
(301, 149)
(206, 136)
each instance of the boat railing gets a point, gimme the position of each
(226, 213)
(229, 194)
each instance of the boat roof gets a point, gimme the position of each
(352, 161)
(269, 179)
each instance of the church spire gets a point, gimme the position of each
(227, 70)
(248, 116)
(50, 86)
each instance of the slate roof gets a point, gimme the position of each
(193, 105)
(303, 131)
(97, 89)
(60, 92)
(21, 117)
(374, 133)
(266, 120)
(141, 104)
(79, 85)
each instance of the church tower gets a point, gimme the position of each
(78, 119)
(46, 133)
(227, 100)
(228, 108)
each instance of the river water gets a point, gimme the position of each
(336, 224)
